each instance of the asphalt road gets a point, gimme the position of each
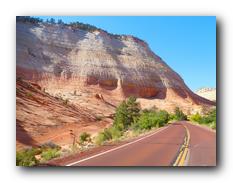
(178, 144)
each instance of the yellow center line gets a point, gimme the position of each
(180, 160)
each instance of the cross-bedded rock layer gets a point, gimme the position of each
(60, 58)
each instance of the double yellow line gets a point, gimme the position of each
(180, 160)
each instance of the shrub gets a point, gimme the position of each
(82, 26)
(50, 154)
(211, 116)
(60, 22)
(126, 113)
(84, 137)
(107, 133)
(50, 144)
(151, 119)
(172, 116)
(212, 125)
(28, 19)
(179, 115)
(27, 157)
(209, 119)
(163, 117)
(146, 121)
(133, 109)
(100, 139)
(195, 117)
(115, 132)
(47, 151)
(103, 136)
(121, 117)
(135, 127)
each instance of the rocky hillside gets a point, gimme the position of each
(70, 78)
(208, 93)
(63, 59)
(41, 118)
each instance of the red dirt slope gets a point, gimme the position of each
(41, 118)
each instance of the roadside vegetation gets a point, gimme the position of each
(208, 120)
(178, 115)
(27, 157)
(131, 119)
(35, 155)
(84, 137)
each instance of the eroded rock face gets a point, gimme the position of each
(59, 58)
(41, 118)
(208, 93)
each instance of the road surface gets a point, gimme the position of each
(178, 144)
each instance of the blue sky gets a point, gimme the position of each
(186, 43)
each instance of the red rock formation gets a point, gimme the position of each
(41, 118)
(62, 60)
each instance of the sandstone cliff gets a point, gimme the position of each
(208, 93)
(62, 60)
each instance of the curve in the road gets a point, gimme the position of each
(178, 144)
(157, 149)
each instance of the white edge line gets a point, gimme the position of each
(85, 159)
